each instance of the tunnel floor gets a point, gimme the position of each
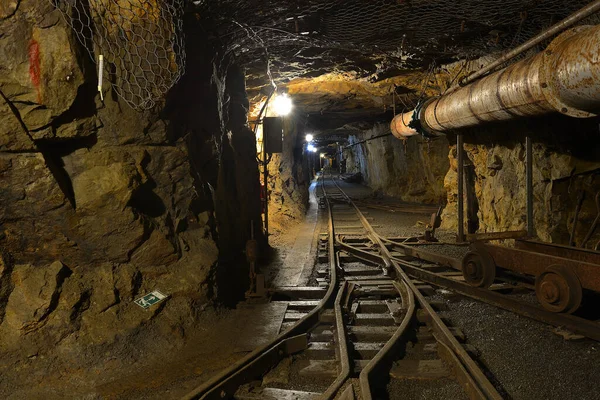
(523, 358)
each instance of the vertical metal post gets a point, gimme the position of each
(265, 177)
(529, 184)
(460, 172)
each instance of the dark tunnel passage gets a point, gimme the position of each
(299, 200)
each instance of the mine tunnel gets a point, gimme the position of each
(317, 199)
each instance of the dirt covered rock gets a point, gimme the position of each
(411, 171)
(101, 204)
(565, 167)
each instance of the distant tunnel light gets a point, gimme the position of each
(312, 148)
(282, 104)
(309, 137)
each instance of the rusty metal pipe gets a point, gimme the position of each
(547, 34)
(400, 128)
(564, 78)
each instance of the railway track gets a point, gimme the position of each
(509, 291)
(365, 331)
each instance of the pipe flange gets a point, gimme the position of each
(424, 128)
(548, 79)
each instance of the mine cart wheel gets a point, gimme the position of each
(478, 268)
(558, 289)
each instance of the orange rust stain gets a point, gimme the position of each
(34, 66)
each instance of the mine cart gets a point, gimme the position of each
(561, 272)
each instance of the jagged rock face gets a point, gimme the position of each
(411, 171)
(288, 176)
(36, 295)
(40, 76)
(564, 166)
(109, 200)
(288, 181)
(102, 204)
(349, 92)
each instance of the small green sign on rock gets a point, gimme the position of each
(150, 299)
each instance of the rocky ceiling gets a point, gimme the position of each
(354, 60)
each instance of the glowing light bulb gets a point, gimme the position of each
(309, 137)
(282, 104)
(312, 148)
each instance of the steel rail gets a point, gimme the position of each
(387, 350)
(426, 255)
(408, 208)
(332, 390)
(264, 357)
(334, 262)
(470, 375)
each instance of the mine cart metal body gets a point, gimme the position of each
(560, 272)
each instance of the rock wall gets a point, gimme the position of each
(288, 174)
(566, 160)
(288, 181)
(411, 170)
(102, 203)
(209, 108)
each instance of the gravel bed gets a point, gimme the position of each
(288, 376)
(524, 357)
(425, 389)
(396, 224)
(454, 251)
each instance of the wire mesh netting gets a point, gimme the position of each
(141, 42)
(406, 33)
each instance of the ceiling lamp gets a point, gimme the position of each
(309, 137)
(282, 104)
